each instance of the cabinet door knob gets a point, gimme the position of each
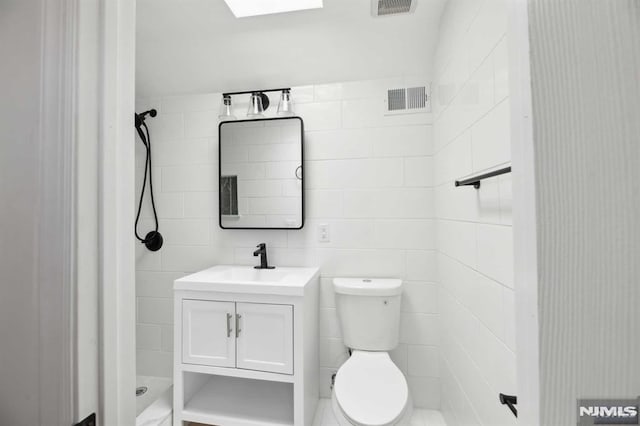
(229, 329)
(238, 330)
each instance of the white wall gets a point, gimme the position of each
(586, 107)
(19, 112)
(198, 46)
(368, 176)
(474, 235)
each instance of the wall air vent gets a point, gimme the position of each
(392, 7)
(408, 100)
(396, 99)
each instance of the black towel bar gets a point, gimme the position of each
(510, 401)
(475, 180)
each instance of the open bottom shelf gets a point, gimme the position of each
(233, 401)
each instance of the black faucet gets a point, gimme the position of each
(262, 252)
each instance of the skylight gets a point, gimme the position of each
(243, 8)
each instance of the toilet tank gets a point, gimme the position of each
(369, 312)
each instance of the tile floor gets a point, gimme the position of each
(324, 416)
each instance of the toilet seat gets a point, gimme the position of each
(370, 389)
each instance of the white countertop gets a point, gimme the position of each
(285, 281)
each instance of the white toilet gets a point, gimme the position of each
(369, 389)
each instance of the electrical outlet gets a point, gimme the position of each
(323, 233)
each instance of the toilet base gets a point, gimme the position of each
(405, 419)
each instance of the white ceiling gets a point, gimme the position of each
(196, 46)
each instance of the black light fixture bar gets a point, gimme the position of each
(247, 92)
(475, 180)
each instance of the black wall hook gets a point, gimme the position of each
(510, 401)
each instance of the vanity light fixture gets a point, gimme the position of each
(258, 103)
(226, 110)
(244, 8)
(285, 106)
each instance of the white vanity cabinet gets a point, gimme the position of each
(264, 337)
(207, 336)
(253, 336)
(246, 346)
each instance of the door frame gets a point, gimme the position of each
(116, 176)
(525, 244)
(85, 253)
(115, 285)
(99, 107)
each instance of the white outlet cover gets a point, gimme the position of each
(324, 235)
(244, 8)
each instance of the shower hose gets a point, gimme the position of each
(153, 240)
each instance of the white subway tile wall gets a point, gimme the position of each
(473, 227)
(367, 176)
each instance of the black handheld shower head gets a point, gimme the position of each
(141, 117)
(153, 240)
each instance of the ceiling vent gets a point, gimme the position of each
(408, 100)
(392, 7)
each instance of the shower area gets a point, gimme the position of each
(153, 384)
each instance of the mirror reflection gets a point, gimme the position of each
(260, 174)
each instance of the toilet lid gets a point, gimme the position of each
(370, 389)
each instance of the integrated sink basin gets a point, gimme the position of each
(246, 279)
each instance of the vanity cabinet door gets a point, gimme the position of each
(208, 336)
(265, 337)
